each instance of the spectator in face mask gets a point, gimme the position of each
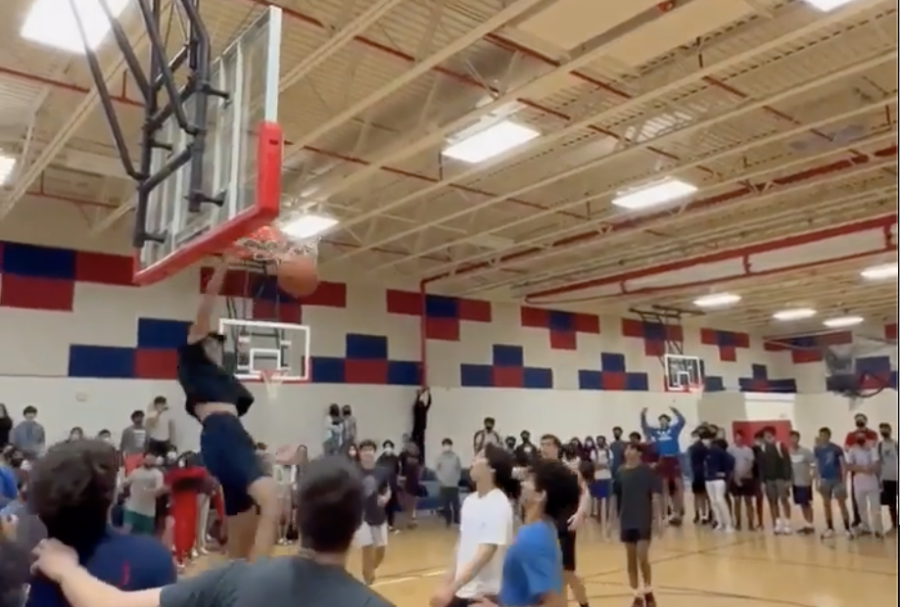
(334, 431)
(105, 436)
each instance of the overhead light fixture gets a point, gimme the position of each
(307, 225)
(717, 300)
(827, 6)
(654, 195)
(880, 272)
(841, 322)
(794, 314)
(52, 23)
(7, 167)
(493, 141)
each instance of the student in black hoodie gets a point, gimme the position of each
(390, 462)
(420, 418)
(697, 458)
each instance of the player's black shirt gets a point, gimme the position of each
(206, 382)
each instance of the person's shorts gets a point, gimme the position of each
(371, 535)
(159, 448)
(888, 493)
(229, 454)
(567, 549)
(601, 489)
(776, 490)
(803, 496)
(698, 487)
(669, 468)
(746, 488)
(139, 524)
(633, 536)
(832, 489)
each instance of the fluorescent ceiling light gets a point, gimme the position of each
(717, 300)
(492, 141)
(828, 5)
(654, 195)
(307, 225)
(7, 166)
(52, 23)
(887, 270)
(843, 321)
(794, 314)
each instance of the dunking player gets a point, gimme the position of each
(218, 400)
(567, 524)
(665, 438)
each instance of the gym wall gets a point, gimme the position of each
(86, 347)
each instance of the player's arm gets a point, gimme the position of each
(201, 327)
(584, 499)
(645, 426)
(679, 422)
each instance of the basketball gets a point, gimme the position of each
(298, 277)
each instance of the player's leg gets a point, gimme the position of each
(629, 540)
(803, 499)
(380, 542)
(826, 492)
(571, 579)
(642, 549)
(889, 499)
(784, 499)
(365, 541)
(770, 489)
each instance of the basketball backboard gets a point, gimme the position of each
(683, 373)
(240, 167)
(256, 347)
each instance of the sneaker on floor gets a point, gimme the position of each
(638, 602)
(828, 534)
(649, 600)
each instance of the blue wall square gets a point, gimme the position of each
(162, 333)
(38, 262)
(759, 372)
(637, 382)
(508, 356)
(654, 331)
(438, 306)
(874, 365)
(403, 373)
(784, 386)
(366, 347)
(612, 361)
(590, 380)
(101, 362)
(713, 383)
(476, 376)
(537, 378)
(560, 321)
(327, 370)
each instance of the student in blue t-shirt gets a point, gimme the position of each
(532, 567)
(831, 472)
(8, 490)
(72, 489)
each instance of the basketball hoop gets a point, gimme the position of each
(273, 380)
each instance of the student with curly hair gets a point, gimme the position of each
(333, 496)
(71, 490)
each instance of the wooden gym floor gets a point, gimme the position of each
(692, 568)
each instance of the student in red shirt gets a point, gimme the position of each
(862, 426)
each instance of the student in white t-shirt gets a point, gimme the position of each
(485, 530)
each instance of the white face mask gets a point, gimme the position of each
(448, 448)
(171, 457)
(388, 450)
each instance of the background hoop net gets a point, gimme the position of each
(272, 380)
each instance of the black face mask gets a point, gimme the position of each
(617, 435)
(510, 443)
(526, 438)
(347, 412)
(860, 424)
(489, 427)
(886, 433)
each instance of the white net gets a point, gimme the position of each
(272, 380)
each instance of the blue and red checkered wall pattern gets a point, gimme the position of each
(99, 325)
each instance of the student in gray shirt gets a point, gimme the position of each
(640, 513)
(890, 468)
(332, 495)
(448, 469)
(28, 436)
(803, 462)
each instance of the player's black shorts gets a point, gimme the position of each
(698, 487)
(633, 536)
(229, 454)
